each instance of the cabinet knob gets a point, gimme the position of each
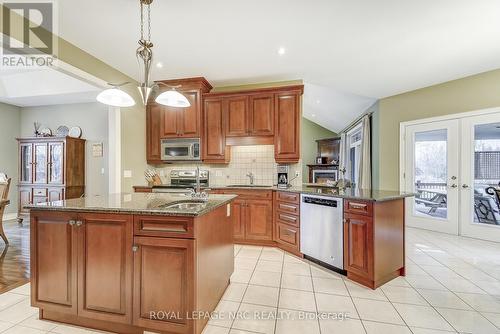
(71, 223)
(345, 220)
(79, 223)
(135, 248)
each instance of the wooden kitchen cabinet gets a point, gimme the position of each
(236, 116)
(374, 241)
(287, 221)
(182, 122)
(105, 267)
(239, 219)
(288, 116)
(261, 114)
(214, 149)
(164, 280)
(258, 220)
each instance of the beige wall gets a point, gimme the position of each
(467, 94)
(92, 118)
(10, 117)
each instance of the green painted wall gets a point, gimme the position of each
(310, 132)
(467, 94)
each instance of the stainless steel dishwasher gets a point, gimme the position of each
(321, 229)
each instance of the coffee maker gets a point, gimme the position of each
(283, 176)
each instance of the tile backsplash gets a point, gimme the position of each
(257, 159)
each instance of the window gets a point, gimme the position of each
(354, 140)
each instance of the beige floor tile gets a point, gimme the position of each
(249, 253)
(405, 295)
(209, 329)
(241, 276)
(235, 292)
(22, 290)
(17, 329)
(381, 328)
(35, 322)
(261, 295)
(244, 263)
(68, 329)
(293, 268)
(8, 299)
(257, 319)
(376, 310)
(424, 282)
(18, 312)
(481, 303)
(239, 331)
(294, 322)
(336, 304)
(225, 312)
(5, 325)
(272, 254)
(448, 299)
(289, 258)
(462, 285)
(317, 271)
(417, 330)
(359, 291)
(422, 316)
(348, 326)
(398, 281)
(492, 317)
(328, 285)
(266, 278)
(296, 282)
(468, 321)
(297, 300)
(271, 266)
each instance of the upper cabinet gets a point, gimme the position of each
(287, 117)
(168, 122)
(261, 115)
(214, 145)
(236, 116)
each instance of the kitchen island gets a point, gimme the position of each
(131, 262)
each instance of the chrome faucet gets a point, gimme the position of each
(197, 193)
(252, 177)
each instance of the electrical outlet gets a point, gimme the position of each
(297, 173)
(127, 173)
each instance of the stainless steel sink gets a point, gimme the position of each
(187, 205)
(246, 186)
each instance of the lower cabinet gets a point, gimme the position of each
(358, 241)
(258, 220)
(163, 265)
(239, 219)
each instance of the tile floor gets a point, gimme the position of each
(453, 285)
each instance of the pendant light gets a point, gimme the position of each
(115, 96)
(144, 55)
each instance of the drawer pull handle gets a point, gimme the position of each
(357, 205)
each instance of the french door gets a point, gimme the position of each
(432, 172)
(453, 167)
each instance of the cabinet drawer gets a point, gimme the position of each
(358, 207)
(39, 191)
(40, 199)
(288, 197)
(250, 194)
(164, 226)
(286, 218)
(288, 207)
(287, 235)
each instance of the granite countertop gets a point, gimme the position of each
(348, 193)
(136, 203)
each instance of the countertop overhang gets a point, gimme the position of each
(135, 203)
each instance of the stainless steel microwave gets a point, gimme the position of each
(181, 149)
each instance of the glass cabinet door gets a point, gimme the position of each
(40, 163)
(56, 163)
(26, 163)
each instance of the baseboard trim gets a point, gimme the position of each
(9, 216)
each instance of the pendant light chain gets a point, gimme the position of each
(149, 22)
(142, 20)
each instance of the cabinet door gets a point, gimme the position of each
(214, 141)
(164, 281)
(236, 116)
(153, 125)
(170, 122)
(105, 267)
(25, 198)
(55, 194)
(259, 220)
(189, 126)
(358, 245)
(53, 262)
(56, 163)
(287, 120)
(40, 160)
(261, 115)
(26, 163)
(239, 219)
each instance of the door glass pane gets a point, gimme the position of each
(56, 163)
(41, 163)
(430, 173)
(26, 163)
(487, 174)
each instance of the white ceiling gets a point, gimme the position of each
(349, 52)
(43, 86)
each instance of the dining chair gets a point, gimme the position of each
(4, 201)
